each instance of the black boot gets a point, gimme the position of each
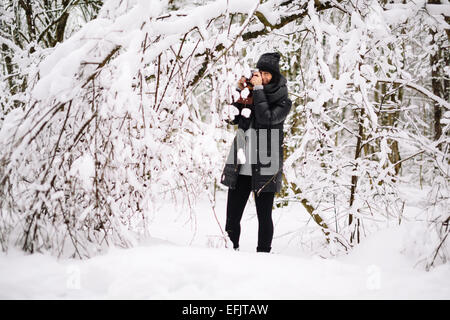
(258, 249)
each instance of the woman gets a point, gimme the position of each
(259, 167)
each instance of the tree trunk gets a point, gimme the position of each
(354, 180)
(440, 85)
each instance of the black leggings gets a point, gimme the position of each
(237, 199)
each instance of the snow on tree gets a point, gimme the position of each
(130, 109)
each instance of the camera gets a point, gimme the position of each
(248, 84)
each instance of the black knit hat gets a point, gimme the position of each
(270, 62)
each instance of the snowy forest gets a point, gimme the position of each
(111, 108)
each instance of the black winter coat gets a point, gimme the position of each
(269, 110)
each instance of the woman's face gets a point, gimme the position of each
(266, 77)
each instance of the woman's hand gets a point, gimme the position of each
(256, 79)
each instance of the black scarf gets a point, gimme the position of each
(274, 92)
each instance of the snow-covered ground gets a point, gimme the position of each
(184, 259)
